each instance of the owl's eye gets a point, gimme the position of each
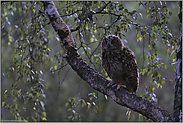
(105, 42)
(112, 42)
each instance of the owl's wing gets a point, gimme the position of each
(130, 71)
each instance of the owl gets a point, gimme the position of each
(120, 64)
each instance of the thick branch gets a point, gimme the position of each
(178, 84)
(94, 79)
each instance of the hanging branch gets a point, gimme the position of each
(94, 79)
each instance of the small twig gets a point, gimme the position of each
(60, 68)
(70, 13)
(60, 82)
(103, 7)
(86, 52)
(113, 23)
(108, 13)
(77, 28)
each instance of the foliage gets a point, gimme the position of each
(31, 51)
(38, 52)
(73, 105)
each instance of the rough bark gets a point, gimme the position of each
(94, 79)
(178, 84)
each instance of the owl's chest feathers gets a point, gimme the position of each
(112, 62)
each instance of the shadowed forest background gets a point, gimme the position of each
(31, 50)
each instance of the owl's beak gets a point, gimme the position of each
(108, 45)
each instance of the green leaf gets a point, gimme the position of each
(170, 13)
(163, 80)
(101, 35)
(166, 66)
(159, 65)
(91, 98)
(34, 108)
(140, 38)
(143, 72)
(92, 39)
(92, 58)
(15, 99)
(108, 78)
(158, 85)
(153, 57)
(3, 103)
(16, 106)
(126, 10)
(165, 10)
(34, 10)
(55, 67)
(83, 103)
(169, 54)
(146, 57)
(51, 59)
(44, 114)
(148, 16)
(139, 3)
(174, 60)
(44, 119)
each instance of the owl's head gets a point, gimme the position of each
(111, 43)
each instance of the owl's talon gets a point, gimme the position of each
(119, 86)
(114, 85)
(124, 86)
(110, 83)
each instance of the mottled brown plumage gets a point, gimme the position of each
(119, 63)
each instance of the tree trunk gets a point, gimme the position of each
(94, 79)
(178, 84)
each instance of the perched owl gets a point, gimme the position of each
(119, 63)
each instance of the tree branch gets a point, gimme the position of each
(104, 7)
(94, 79)
(178, 85)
